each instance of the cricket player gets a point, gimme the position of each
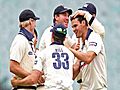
(88, 10)
(92, 53)
(57, 62)
(22, 51)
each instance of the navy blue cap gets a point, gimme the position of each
(59, 30)
(62, 9)
(89, 7)
(26, 15)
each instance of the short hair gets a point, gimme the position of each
(58, 39)
(80, 19)
(59, 32)
(24, 24)
(54, 18)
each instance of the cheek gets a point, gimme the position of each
(35, 24)
(79, 30)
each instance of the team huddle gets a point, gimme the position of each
(60, 59)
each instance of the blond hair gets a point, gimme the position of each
(24, 24)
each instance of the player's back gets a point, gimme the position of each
(58, 65)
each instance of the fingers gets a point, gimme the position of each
(42, 72)
(78, 12)
(13, 82)
(78, 40)
(41, 80)
(77, 46)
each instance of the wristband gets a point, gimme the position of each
(91, 20)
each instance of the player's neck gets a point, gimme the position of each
(30, 30)
(84, 35)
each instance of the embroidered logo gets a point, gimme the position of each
(92, 44)
(30, 53)
(35, 62)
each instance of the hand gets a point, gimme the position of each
(77, 46)
(82, 64)
(41, 80)
(14, 81)
(79, 12)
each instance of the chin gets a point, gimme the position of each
(77, 36)
(66, 25)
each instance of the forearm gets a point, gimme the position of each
(85, 57)
(21, 73)
(26, 81)
(76, 69)
(29, 80)
(98, 27)
(18, 70)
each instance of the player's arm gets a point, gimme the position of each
(95, 24)
(17, 52)
(17, 69)
(85, 57)
(29, 80)
(76, 69)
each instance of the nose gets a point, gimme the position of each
(67, 18)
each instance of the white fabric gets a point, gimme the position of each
(57, 62)
(47, 36)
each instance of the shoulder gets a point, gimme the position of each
(20, 39)
(67, 50)
(94, 35)
(48, 29)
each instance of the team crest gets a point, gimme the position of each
(35, 62)
(92, 44)
(30, 53)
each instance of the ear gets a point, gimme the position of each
(52, 37)
(56, 17)
(30, 21)
(83, 22)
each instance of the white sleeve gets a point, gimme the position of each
(96, 25)
(95, 43)
(17, 49)
(98, 28)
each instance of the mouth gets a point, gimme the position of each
(66, 22)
